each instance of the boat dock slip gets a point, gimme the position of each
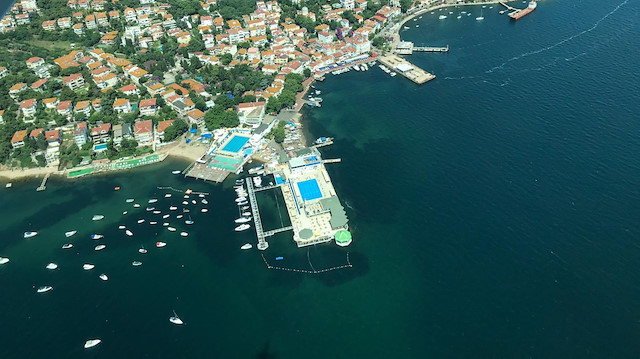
(43, 185)
(406, 69)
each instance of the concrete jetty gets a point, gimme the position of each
(43, 185)
(406, 69)
(407, 48)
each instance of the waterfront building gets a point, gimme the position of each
(117, 134)
(143, 132)
(100, 133)
(80, 134)
(162, 126)
(251, 113)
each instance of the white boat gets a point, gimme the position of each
(45, 288)
(88, 266)
(246, 214)
(184, 234)
(247, 246)
(463, 12)
(129, 233)
(97, 217)
(175, 319)
(184, 210)
(242, 227)
(152, 200)
(244, 207)
(204, 201)
(129, 200)
(240, 199)
(184, 203)
(30, 234)
(96, 236)
(188, 221)
(201, 195)
(166, 216)
(204, 210)
(103, 277)
(125, 213)
(171, 229)
(480, 18)
(243, 220)
(153, 223)
(442, 17)
(165, 224)
(406, 27)
(173, 208)
(4, 260)
(180, 216)
(193, 201)
(459, 17)
(160, 244)
(91, 343)
(168, 195)
(99, 247)
(417, 25)
(67, 246)
(142, 250)
(52, 266)
(242, 203)
(136, 263)
(176, 172)
(136, 205)
(392, 74)
(140, 221)
(186, 196)
(122, 226)
(151, 209)
(356, 67)
(70, 233)
(257, 181)
(157, 212)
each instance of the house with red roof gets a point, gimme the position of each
(64, 108)
(251, 113)
(53, 137)
(80, 134)
(129, 90)
(34, 62)
(162, 126)
(28, 107)
(143, 132)
(100, 133)
(18, 139)
(122, 105)
(36, 132)
(39, 85)
(148, 107)
(73, 81)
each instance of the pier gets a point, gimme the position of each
(431, 48)
(509, 7)
(407, 48)
(406, 69)
(262, 243)
(332, 160)
(43, 185)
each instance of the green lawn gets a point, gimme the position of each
(51, 45)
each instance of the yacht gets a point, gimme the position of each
(189, 221)
(142, 250)
(243, 220)
(356, 67)
(30, 234)
(4, 260)
(442, 17)
(103, 277)
(180, 216)
(257, 181)
(97, 217)
(173, 208)
(175, 319)
(247, 246)
(136, 263)
(168, 195)
(184, 234)
(242, 203)
(52, 266)
(129, 233)
(88, 266)
(165, 216)
(122, 226)
(240, 181)
(480, 18)
(67, 246)
(160, 244)
(136, 205)
(70, 233)
(171, 229)
(153, 223)
(125, 213)
(184, 203)
(204, 201)
(157, 212)
(129, 200)
(153, 200)
(140, 221)
(45, 288)
(91, 343)
(242, 227)
(99, 247)
(176, 172)
(96, 236)
(204, 210)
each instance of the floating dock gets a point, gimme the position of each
(406, 69)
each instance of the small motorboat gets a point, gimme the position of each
(4, 260)
(168, 195)
(184, 234)
(193, 201)
(129, 233)
(165, 224)
(129, 200)
(70, 233)
(142, 250)
(244, 208)
(125, 213)
(241, 199)
(88, 266)
(246, 214)
(247, 246)
(136, 263)
(184, 203)
(136, 205)
(186, 210)
(201, 195)
(67, 246)
(204, 210)
(243, 220)
(116, 188)
(103, 277)
(166, 216)
(122, 226)
(243, 203)
(204, 201)
(185, 196)
(30, 234)
(188, 221)
(160, 244)
(242, 227)
(175, 319)
(99, 247)
(151, 209)
(152, 200)
(91, 343)
(45, 288)
(157, 212)
(52, 266)
(153, 223)
(240, 181)
(176, 172)
(97, 217)
(173, 208)
(96, 236)
(171, 229)
(140, 221)
(180, 216)
(279, 258)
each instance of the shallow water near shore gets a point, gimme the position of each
(494, 212)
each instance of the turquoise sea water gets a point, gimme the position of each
(494, 212)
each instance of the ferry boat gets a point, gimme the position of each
(526, 11)
(242, 227)
(246, 246)
(91, 343)
(70, 233)
(96, 236)
(52, 266)
(88, 266)
(30, 234)
(103, 277)
(97, 217)
(67, 246)
(160, 244)
(45, 288)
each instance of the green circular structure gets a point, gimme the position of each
(306, 233)
(343, 238)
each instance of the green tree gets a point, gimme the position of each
(277, 132)
(41, 142)
(177, 128)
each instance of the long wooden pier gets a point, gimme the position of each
(509, 7)
(43, 185)
(257, 221)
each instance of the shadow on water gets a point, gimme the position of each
(266, 353)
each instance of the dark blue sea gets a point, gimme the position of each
(495, 214)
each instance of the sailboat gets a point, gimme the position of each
(480, 18)
(175, 319)
(142, 250)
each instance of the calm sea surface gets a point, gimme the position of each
(495, 214)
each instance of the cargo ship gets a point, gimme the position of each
(520, 13)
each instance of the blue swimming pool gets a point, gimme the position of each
(309, 190)
(100, 147)
(235, 144)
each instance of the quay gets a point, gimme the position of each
(406, 69)
(407, 48)
(43, 185)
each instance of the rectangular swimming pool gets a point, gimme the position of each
(235, 143)
(100, 147)
(309, 190)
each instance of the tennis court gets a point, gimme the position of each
(309, 190)
(235, 143)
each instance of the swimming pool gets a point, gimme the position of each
(309, 190)
(235, 143)
(100, 147)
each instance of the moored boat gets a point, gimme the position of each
(45, 288)
(70, 233)
(4, 260)
(52, 266)
(160, 244)
(99, 247)
(242, 227)
(88, 266)
(176, 172)
(247, 246)
(96, 236)
(243, 220)
(167, 195)
(184, 234)
(129, 233)
(91, 343)
(136, 263)
(103, 277)
(129, 200)
(67, 246)
(122, 226)
(152, 200)
(142, 250)
(136, 205)
(171, 229)
(204, 210)
(140, 221)
(30, 234)
(97, 217)
(175, 319)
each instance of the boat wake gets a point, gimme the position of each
(559, 43)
